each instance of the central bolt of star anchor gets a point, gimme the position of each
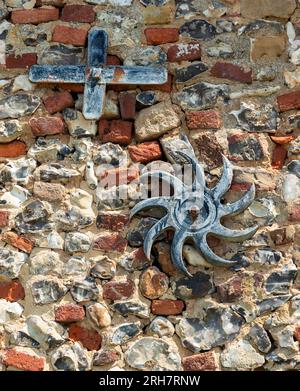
(95, 75)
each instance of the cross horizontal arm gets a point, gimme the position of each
(132, 75)
(57, 74)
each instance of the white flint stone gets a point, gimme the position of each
(14, 198)
(291, 188)
(10, 130)
(9, 311)
(153, 354)
(11, 262)
(22, 83)
(81, 198)
(241, 356)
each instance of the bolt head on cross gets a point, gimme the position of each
(96, 74)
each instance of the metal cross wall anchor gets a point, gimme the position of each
(95, 75)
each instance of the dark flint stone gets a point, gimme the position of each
(294, 167)
(199, 285)
(137, 235)
(280, 281)
(125, 333)
(131, 308)
(146, 99)
(259, 337)
(267, 255)
(34, 218)
(198, 29)
(59, 54)
(184, 74)
(270, 304)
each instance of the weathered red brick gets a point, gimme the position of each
(118, 290)
(297, 333)
(112, 221)
(89, 339)
(43, 126)
(280, 236)
(231, 290)
(67, 313)
(226, 70)
(113, 60)
(158, 35)
(184, 52)
(167, 307)
(13, 149)
(23, 361)
(71, 87)
(12, 291)
(110, 242)
(4, 218)
(294, 214)
(145, 152)
(127, 101)
(78, 13)
(25, 60)
(279, 156)
(240, 186)
(282, 139)
(115, 131)
(289, 101)
(119, 176)
(58, 101)
(20, 242)
(35, 15)
(206, 119)
(69, 35)
(55, 3)
(166, 87)
(200, 362)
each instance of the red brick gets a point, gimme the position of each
(67, 313)
(112, 221)
(71, 87)
(200, 362)
(145, 152)
(69, 35)
(58, 101)
(294, 214)
(118, 290)
(167, 307)
(119, 176)
(158, 36)
(35, 15)
(282, 139)
(166, 87)
(297, 333)
(184, 52)
(89, 339)
(12, 291)
(20, 61)
(206, 119)
(78, 13)
(4, 218)
(55, 3)
(289, 101)
(115, 131)
(279, 156)
(226, 70)
(281, 237)
(110, 242)
(113, 60)
(240, 186)
(13, 149)
(23, 361)
(19, 242)
(43, 126)
(127, 101)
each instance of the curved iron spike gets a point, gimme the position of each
(176, 253)
(225, 182)
(149, 203)
(197, 169)
(154, 232)
(231, 234)
(209, 255)
(241, 204)
(176, 183)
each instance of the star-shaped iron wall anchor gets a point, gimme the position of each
(95, 75)
(194, 211)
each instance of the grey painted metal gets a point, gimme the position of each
(194, 211)
(96, 74)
